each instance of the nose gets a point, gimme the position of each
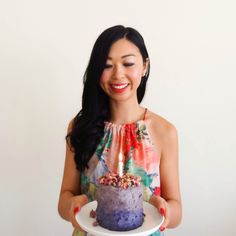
(118, 72)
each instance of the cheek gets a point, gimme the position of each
(104, 78)
(136, 74)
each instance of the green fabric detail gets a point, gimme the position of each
(106, 141)
(130, 167)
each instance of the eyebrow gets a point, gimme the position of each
(128, 55)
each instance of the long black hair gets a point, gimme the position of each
(88, 124)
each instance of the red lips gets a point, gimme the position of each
(119, 88)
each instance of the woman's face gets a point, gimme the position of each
(123, 71)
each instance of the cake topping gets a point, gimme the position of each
(113, 179)
(92, 214)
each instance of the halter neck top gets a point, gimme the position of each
(139, 157)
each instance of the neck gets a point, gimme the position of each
(125, 112)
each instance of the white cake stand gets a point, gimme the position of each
(152, 222)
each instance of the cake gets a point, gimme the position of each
(119, 202)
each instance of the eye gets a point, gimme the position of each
(128, 64)
(107, 66)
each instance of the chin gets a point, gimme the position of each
(122, 98)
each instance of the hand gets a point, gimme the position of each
(75, 205)
(162, 206)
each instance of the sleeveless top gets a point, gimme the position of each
(140, 158)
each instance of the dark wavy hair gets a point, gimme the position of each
(88, 125)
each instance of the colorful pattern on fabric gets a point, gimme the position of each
(139, 157)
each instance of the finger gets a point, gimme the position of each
(164, 210)
(79, 202)
(74, 220)
(155, 201)
(83, 200)
(158, 202)
(162, 206)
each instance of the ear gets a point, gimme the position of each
(145, 67)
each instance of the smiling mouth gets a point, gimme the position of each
(119, 86)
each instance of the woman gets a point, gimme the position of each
(112, 117)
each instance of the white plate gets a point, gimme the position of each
(152, 221)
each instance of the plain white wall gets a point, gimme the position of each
(44, 49)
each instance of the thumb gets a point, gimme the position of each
(83, 199)
(159, 203)
(80, 201)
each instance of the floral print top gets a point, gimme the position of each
(139, 158)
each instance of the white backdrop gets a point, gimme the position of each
(45, 46)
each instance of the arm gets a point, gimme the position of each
(69, 198)
(170, 200)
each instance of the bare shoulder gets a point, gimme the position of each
(161, 128)
(69, 129)
(70, 126)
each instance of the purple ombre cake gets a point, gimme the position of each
(120, 202)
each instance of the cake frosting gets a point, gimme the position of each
(120, 202)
